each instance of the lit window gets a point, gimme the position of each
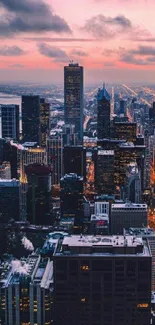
(85, 268)
(142, 305)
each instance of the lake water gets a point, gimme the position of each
(10, 99)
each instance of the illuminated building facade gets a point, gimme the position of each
(103, 114)
(31, 119)
(26, 291)
(125, 131)
(102, 280)
(55, 157)
(125, 154)
(38, 194)
(73, 97)
(44, 121)
(9, 122)
(28, 155)
(74, 158)
(131, 191)
(104, 172)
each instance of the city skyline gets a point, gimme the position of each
(113, 41)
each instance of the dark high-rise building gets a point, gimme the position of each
(70, 138)
(9, 121)
(103, 114)
(104, 171)
(102, 280)
(10, 198)
(73, 97)
(55, 157)
(31, 119)
(75, 160)
(44, 121)
(122, 107)
(71, 196)
(38, 194)
(10, 154)
(125, 131)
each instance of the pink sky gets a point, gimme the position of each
(113, 39)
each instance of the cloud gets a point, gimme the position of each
(11, 51)
(53, 52)
(79, 53)
(143, 55)
(101, 26)
(16, 66)
(58, 39)
(147, 40)
(30, 16)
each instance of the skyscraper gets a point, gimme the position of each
(10, 198)
(73, 97)
(38, 194)
(31, 119)
(125, 131)
(71, 197)
(104, 171)
(55, 157)
(131, 191)
(9, 121)
(102, 280)
(75, 160)
(44, 121)
(103, 114)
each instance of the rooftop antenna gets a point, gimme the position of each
(104, 85)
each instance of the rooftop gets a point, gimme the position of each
(141, 232)
(103, 94)
(102, 245)
(9, 183)
(129, 206)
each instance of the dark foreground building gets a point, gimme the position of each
(102, 280)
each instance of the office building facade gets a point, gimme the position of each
(125, 131)
(38, 194)
(127, 215)
(55, 157)
(9, 122)
(75, 160)
(10, 199)
(103, 114)
(26, 291)
(31, 119)
(104, 171)
(71, 197)
(102, 280)
(73, 97)
(44, 122)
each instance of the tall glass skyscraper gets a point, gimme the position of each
(103, 114)
(73, 97)
(9, 121)
(31, 119)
